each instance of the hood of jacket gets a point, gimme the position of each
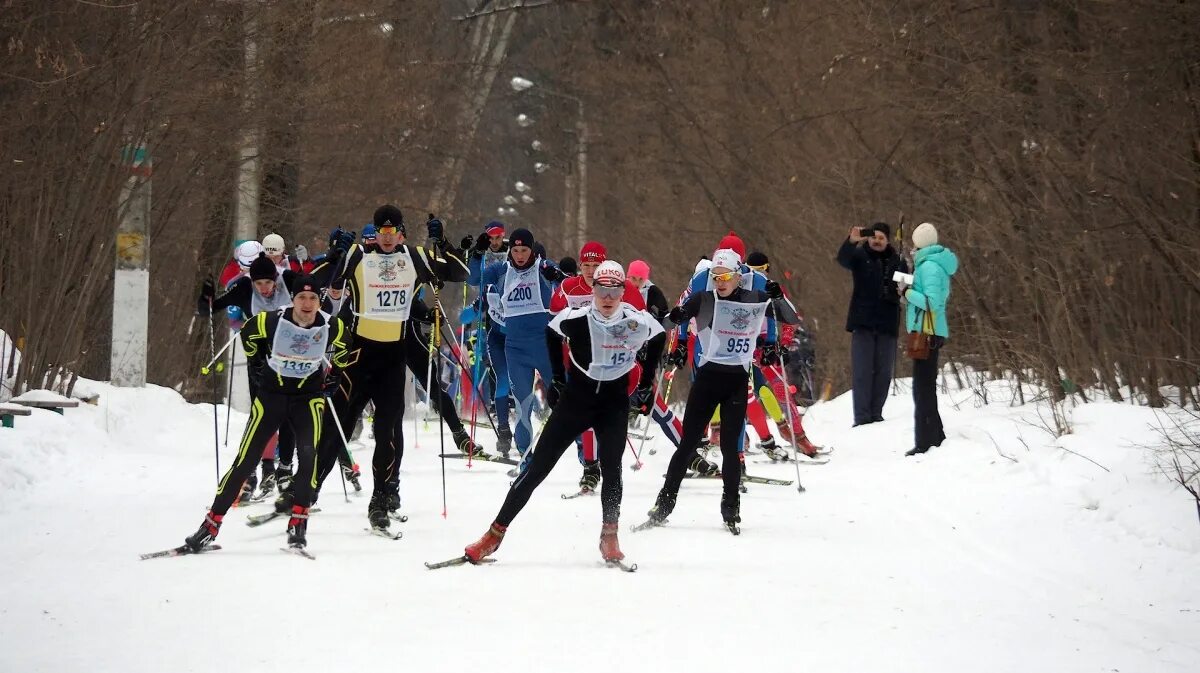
(937, 254)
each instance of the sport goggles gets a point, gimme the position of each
(728, 275)
(761, 268)
(608, 291)
(387, 230)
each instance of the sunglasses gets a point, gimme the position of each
(608, 291)
(762, 268)
(387, 230)
(728, 275)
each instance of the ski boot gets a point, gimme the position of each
(267, 486)
(806, 447)
(206, 533)
(731, 513)
(283, 477)
(504, 441)
(714, 434)
(283, 504)
(465, 445)
(377, 512)
(773, 451)
(610, 548)
(486, 545)
(298, 527)
(703, 466)
(664, 504)
(591, 476)
(393, 499)
(352, 474)
(248, 487)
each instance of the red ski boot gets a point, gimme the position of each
(610, 548)
(486, 545)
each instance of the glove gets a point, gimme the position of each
(678, 357)
(552, 273)
(333, 379)
(207, 289)
(481, 242)
(677, 315)
(773, 290)
(204, 301)
(436, 230)
(770, 355)
(466, 243)
(301, 253)
(341, 240)
(554, 392)
(642, 400)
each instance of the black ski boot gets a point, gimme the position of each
(206, 533)
(283, 504)
(664, 504)
(352, 474)
(393, 498)
(467, 447)
(248, 487)
(703, 466)
(267, 487)
(283, 477)
(731, 513)
(298, 527)
(591, 476)
(377, 512)
(503, 441)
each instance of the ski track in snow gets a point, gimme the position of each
(958, 560)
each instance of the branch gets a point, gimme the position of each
(517, 4)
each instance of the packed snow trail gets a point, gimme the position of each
(961, 559)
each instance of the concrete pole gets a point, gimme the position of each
(249, 184)
(131, 280)
(582, 152)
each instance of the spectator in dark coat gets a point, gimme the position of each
(874, 316)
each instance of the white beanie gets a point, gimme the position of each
(609, 273)
(248, 252)
(727, 258)
(924, 236)
(273, 244)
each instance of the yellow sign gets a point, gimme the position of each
(131, 249)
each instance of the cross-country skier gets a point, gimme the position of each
(290, 346)
(605, 341)
(490, 247)
(729, 319)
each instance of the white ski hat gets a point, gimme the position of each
(273, 244)
(924, 236)
(726, 259)
(609, 273)
(248, 252)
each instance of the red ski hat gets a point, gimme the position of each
(732, 242)
(495, 228)
(592, 252)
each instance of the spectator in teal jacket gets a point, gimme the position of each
(933, 265)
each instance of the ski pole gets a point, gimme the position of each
(787, 393)
(341, 433)
(638, 464)
(434, 342)
(205, 370)
(229, 397)
(212, 345)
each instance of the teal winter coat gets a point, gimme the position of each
(932, 268)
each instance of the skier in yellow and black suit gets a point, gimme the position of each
(382, 284)
(291, 346)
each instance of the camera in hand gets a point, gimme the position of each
(866, 232)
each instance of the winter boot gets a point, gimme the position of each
(610, 549)
(701, 465)
(283, 504)
(486, 545)
(591, 476)
(206, 533)
(503, 441)
(283, 477)
(467, 447)
(297, 527)
(377, 510)
(664, 504)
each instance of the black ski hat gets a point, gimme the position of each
(520, 237)
(569, 266)
(757, 258)
(263, 268)
(884, 227)
(389, 216)
(305, 283)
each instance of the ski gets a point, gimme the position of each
(181, 550)
(385, 533)
(582, 492)
(298, 551)
(648, 523)
(461, 560)
(749, 479)
(255, 520)
(398, 517)
(481, 457)
(802, 461)
(614, 563)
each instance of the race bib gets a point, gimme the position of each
(616, 342)
(296, 352)
(522, 293)
(389, 282)
(731, 337)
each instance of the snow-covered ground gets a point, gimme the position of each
(1000, 551)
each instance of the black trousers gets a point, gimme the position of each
(927, 422)
(416, 354)
(714, 386)
(376, 374)
(872, 360)
(269, 411)
(584, 404)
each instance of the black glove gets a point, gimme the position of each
(204, 302)
(466, 243)
(770, 355)
(436, 231)
(333, 379)
(773, 290)
(341, 240)
(677, 315)
(678, 357)
(552, 273)
(642, 400)
(482, 241)
(554, 392)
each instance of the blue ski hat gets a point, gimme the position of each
(368, 232)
